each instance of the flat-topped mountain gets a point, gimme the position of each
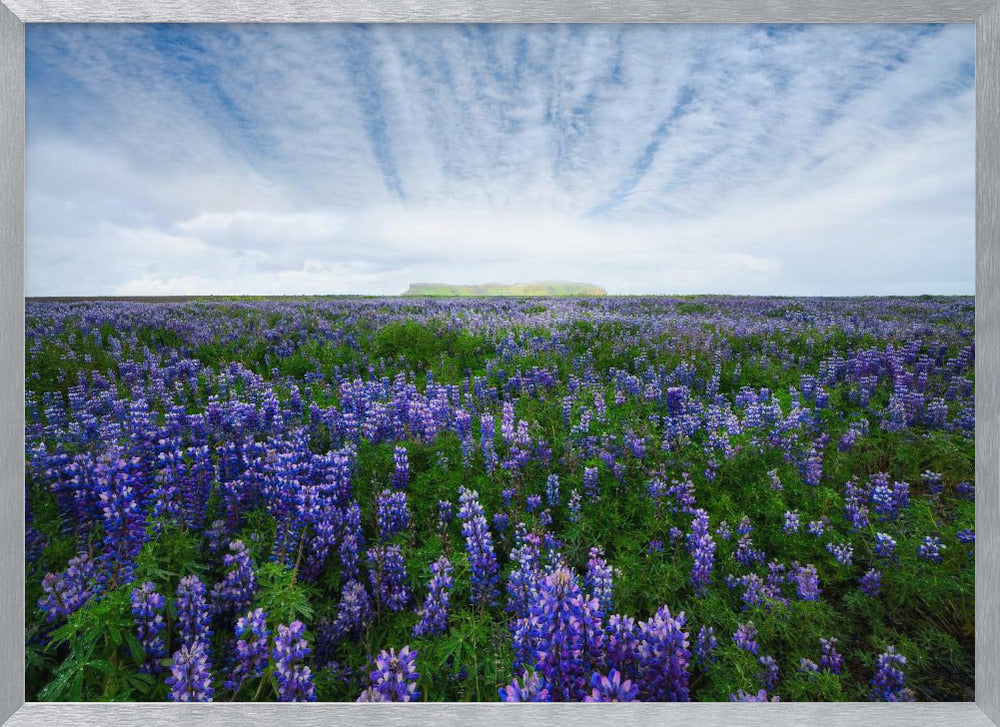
(544, 288)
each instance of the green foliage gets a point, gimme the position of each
(281, 595)
(99, 655)
(423, 346)
(169, 556)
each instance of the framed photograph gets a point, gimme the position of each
(494, 361)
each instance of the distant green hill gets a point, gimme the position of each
(548, 287)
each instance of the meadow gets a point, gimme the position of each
(519, 499)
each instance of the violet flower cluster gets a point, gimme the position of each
(193, 616)
(294, 680)
(393, 515)
(251, 649)
(147, 610)
(479, 547)
(394, 678)
(190, 677)
(702, 549)
(434, 615)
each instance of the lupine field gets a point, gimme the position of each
(558, 499)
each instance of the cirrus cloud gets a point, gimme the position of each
(357, 159)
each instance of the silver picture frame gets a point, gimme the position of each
(14, 14)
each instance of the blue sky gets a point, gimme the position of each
(799, 160)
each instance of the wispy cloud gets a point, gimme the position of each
(356, 159)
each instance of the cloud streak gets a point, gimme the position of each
(357, 159)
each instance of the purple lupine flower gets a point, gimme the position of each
(664, 658)
(122, 517)
(251, 649)
(354, 612)
(401, 468)
(191, 677)
(775, 480)
(501, 521)
(808, 666)
(67, 592)
(565, 636)
(611, 688)
(487, 434)
(966, 491)
(350, 555)
(147, 607)
(636, 444)
(843, 552)
(816, 527)
(933, 481)
(807, 581)
(387, 573)
(889, 682)
(885, 546)
(238, 586)
(533, 502)
(530, 689)
(575, 505)
(968, 537)
(193, 617)
(351, 542)
(760, 696)
(745, 637)
(930, 548)
(705, 646)
(757, 592)
(655, 546)
(507, 431)
(525, 576)
(393, 516)
(622, 646)
(889, 500)
(702, 548)
(829, 658)
(294, 680)
(395, 676)
(871, 583)
(776, 576)
(545, 517)
(599, 580)
(600, 408)
(591, 486)
(712, 470)
(792, 523)
(682, 495)
(434, 615)
(552, 490)
(445, 513)
(746, 553)
(479, 547)
(770, 674)
(723, 531)
(217, 534)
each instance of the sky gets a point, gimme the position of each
(332, 159)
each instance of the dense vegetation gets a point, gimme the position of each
(647, 498)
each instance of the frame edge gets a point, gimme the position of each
(505, 11)
(12, 165)
(987, 602)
